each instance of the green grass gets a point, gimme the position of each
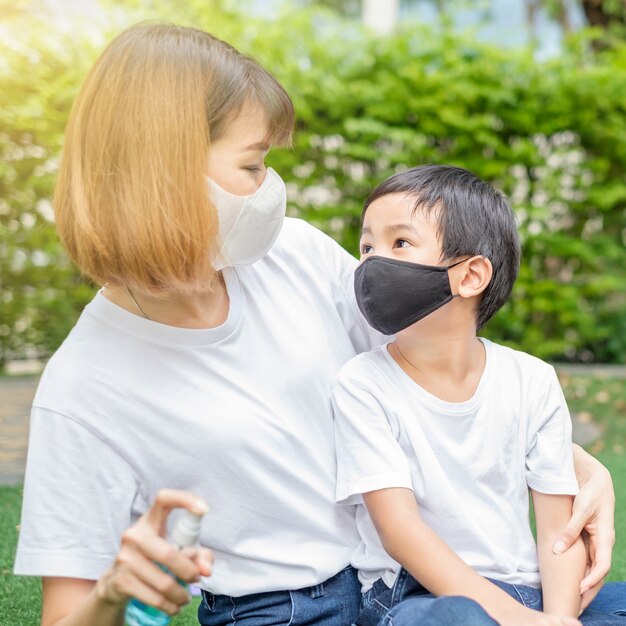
(19, 597)
(599, 398)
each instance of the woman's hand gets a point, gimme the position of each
(592, 515)
(134, 573)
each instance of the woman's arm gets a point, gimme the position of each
(560, 573)
(408, 540)
(73, 602)
(593, 513)
(69, 601)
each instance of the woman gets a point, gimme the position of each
(204, 364)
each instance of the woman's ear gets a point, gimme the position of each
(474, 277)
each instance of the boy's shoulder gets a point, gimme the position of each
(374, 370)
(511, 361)
(364, 368)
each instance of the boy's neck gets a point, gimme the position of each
(448, 365)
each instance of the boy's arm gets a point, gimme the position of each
(560, 573)
(409, 541)
(593, 511)
(550, 470)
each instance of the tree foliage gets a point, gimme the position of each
(550, 134)
(40, 293)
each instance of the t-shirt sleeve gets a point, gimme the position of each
(369, 456)
(549, 456)
(79, 497)
(342, 266)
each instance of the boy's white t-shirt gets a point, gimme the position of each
(469, 463)
(239, 414)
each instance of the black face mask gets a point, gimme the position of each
(393, 294)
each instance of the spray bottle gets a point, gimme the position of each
(186, 533)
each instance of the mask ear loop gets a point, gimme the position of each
(459, 262)
(456, 295)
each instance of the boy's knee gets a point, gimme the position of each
(457, 610)
(441, 611)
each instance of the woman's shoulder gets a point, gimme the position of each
(299, 234)
(87, 364)
(305, 247)
(509, 358)
(68, 377)
(300, 227)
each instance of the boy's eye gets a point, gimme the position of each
(252, 168)
(366, 248)
(401, 243)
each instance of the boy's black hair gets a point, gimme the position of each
(472, 217)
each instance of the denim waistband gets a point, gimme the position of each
(314, 591)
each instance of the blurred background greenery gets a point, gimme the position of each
(544, 123)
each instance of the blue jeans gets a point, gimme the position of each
(407, 603)
(335, 602)
(607, 609)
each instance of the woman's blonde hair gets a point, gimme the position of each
(132, 204)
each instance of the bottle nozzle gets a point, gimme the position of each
(187, 529)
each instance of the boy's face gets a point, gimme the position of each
(392, 229)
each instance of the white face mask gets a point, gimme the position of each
(248, 225)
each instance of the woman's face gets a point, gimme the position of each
(237, 158)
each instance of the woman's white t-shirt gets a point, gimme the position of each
(239, 414)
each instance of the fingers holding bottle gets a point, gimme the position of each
(152, 570)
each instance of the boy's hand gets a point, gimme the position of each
(592, 515)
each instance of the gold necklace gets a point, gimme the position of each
(130, 293)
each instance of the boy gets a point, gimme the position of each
(440, 433)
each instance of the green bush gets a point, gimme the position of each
(550, 134)
(40, 293)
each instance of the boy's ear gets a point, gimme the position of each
(474, 277)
